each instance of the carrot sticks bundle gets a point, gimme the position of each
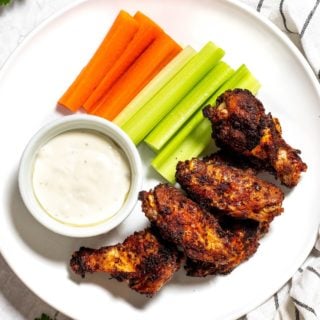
(131, 54)
(148, 31)
(117, 39)
(150, 62)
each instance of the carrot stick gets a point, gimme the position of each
(164, 62)
(122, 15)
(148, 31)
(127, 87)
(112, 46)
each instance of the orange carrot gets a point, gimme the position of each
(160, 67)
(137, 76)
(112, 46)
(148, 31)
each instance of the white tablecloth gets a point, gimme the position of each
(300, 20)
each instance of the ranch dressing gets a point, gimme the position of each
(81, 177)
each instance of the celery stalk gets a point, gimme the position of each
(143, 121)
(242, 79)
(166, 161)
(165, 75)
(196, 134)
(175, 119)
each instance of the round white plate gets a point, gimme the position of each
(39, 72)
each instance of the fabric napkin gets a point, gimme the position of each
(299, 20)
(299, 298)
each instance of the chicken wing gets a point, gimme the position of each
(241, 125)
(143, 260)
(197, 232)
(243, 236)
(183, 222)
(214, 184)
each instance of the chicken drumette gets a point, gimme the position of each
(215, 184)
(241, 125)
(143, 260)
(197, 232)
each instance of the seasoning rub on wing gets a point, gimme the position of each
(199, 234)
(243, 236)
(143, 260)
(240, 125)
(215, 184)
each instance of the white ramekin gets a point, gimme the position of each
(66, 123)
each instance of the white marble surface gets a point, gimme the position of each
(21, 17)
(16, 21)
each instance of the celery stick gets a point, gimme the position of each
(175, 119)
(241, 79)
(196, 134)
(142, 122)
(165, 162)
(165, 75)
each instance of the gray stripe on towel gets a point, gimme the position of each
(276, 300)
(296, 313)
(310, 15)
(314, 271)
(304, 306)
(260, 5)
(284, 19)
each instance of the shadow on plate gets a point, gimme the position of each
(120, 290)
(42, 241)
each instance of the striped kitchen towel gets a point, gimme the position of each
(300, 20)
(299, 299)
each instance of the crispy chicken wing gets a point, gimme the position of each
(143, 260)
(241, 125)
(183, 222)
(197, 232)
(214, 184)
(243, 236)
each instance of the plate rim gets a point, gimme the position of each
(236, 4)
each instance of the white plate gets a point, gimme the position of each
(37, 74)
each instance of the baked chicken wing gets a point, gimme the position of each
(214, 184)
(142, 260)
(241, 125)
(243, 236)
(197, 232)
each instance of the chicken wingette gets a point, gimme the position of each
(216, 185)
(143, 260)
(240, 125)
(197, 232)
